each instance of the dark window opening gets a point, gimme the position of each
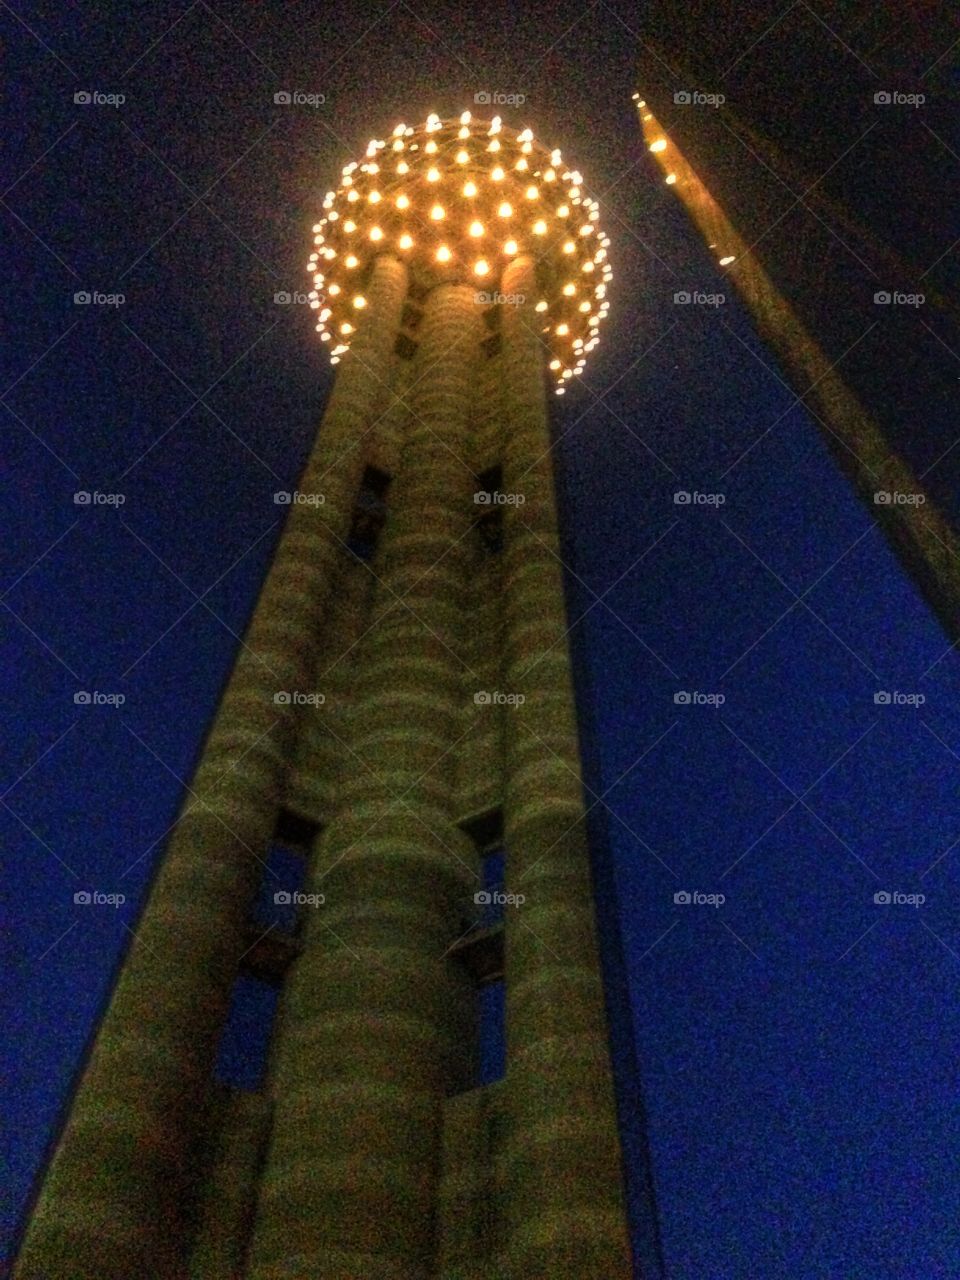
(295, 831)
(405, 347)
(411, 317)
(369, 513)
(245, 1043)
(491, 1038)
(491, 345)
(485, 829)
(275, 906)
(489, 521)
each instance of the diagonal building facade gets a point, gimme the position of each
(400, 711)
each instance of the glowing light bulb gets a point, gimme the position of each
(470, 189)
(346, 328)
(555, 364)
(476, 228)
(670, 179)
(430, 148)
(587, 266)
(376, 233)
(403, 167)
(510, 247)
(496, 174)
(443, 254)
(350, 261)
(584, 306)
(505, 210)
(462, 157)
(333, 290)
(481, 267)
(437, 213)
(349, 225)
(359, 302)
(465, 118)
(563, 330)
(531, 193)
(352, 194)
(541, 305)
(521, 166)
(494, 145)
(569, 246)
(403, 202)
(569, 290)
(659, 145)
(433, 175)
(464, 133)
(406, 242)
(540, 228)
(374, 197)
(550, 176)
(563, 211)
(725, 262)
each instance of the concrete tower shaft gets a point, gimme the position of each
(439, 638)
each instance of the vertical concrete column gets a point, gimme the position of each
(112, 1201)
(560, 1155)
(371, 1032)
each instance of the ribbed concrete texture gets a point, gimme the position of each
(373, 1031)
(112, 1204)
(560, 1159)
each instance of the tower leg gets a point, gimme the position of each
(113, 1201)
(372, 1021)
(560, 1158)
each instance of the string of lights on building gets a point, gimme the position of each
(456, 200)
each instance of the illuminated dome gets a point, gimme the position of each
(457, 200)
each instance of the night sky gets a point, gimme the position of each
(797, 1044)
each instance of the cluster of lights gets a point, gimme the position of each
(659, 146)
(457, 200)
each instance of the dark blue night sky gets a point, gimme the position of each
(797, 1044)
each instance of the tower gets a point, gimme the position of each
(401, 704)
